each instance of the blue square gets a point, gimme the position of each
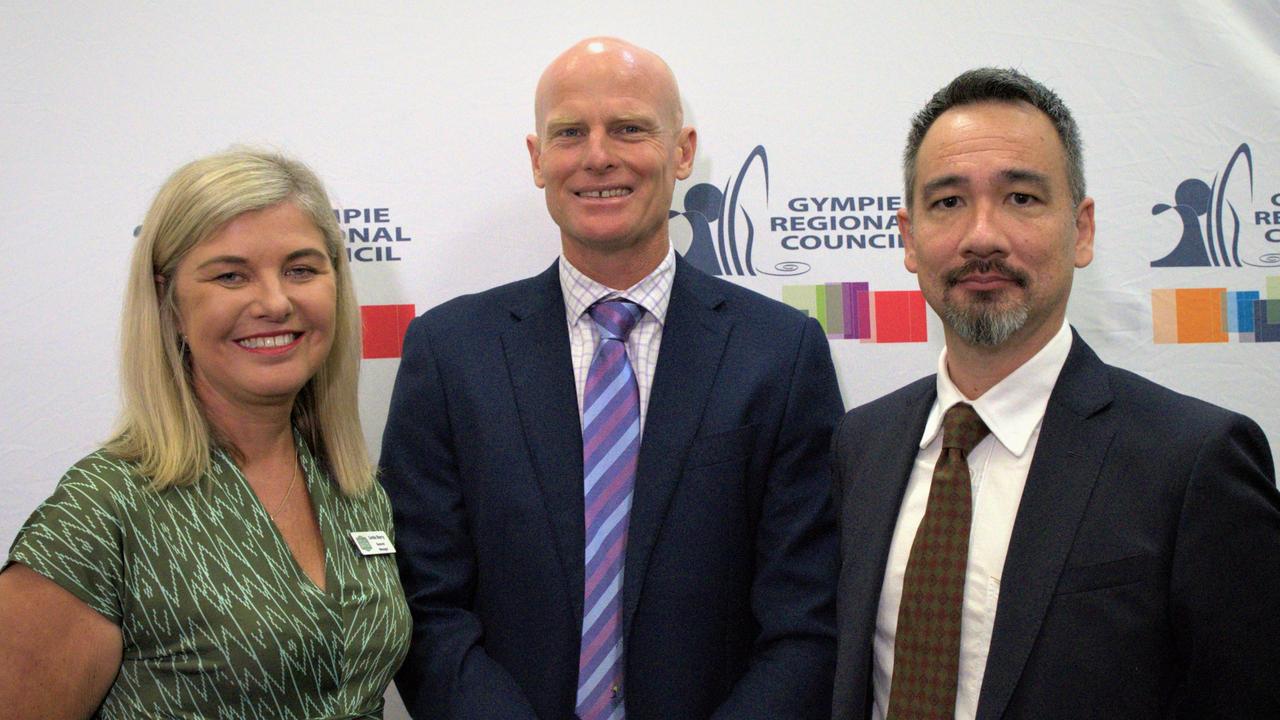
(1240, 311)
(1266, 320)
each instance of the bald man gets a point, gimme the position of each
(609, 480)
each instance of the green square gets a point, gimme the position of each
(803, 298)
(1271, 311)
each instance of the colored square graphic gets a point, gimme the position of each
(805, 299)
(857, 310)
(1240, 311)
(1200, 315)
(383, 329)
(1164, 316)
(1266, 320)
(851, 311)
(899, 316)
(1189, 315)
(833, 298)
(1216, 315)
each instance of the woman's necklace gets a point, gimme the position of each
(293, 480)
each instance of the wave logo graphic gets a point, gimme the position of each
(727, 250)
(1216, 315)
(1211, 223)
(852, 311)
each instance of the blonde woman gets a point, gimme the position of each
(202, 563)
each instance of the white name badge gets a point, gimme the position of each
(372, 542)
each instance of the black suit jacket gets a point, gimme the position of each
(1143, 572)
(731, 558)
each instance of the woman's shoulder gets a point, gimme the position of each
(101, 472)
(98, 489)
(102, 464)
(77, 535)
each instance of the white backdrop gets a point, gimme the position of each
(422, 109)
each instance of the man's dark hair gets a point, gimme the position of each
(990, 84)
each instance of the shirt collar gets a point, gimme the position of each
(653, 292)
(1015, 406)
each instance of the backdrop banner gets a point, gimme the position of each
(415, 115)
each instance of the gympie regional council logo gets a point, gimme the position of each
(726, 239)
(1215, 235)
(867, 222)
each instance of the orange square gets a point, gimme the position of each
(1200, 315)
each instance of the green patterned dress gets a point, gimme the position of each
(218, 620)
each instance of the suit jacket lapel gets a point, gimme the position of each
(1074, 439)
(693, 342)
(875, 482)
(537, 353)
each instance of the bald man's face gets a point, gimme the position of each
(609, 150)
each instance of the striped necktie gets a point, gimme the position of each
(610, 446)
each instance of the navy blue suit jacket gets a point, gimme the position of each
(731, 556)
(1143, 573)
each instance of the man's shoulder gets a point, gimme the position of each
(887, 419)
(1140, 401)
(484, 307)
(905, 399)
(905, 395)
(1147, 402)
(1146, 421)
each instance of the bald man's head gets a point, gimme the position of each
(599, 58)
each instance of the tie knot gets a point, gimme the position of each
(962, 428)
(615, 317)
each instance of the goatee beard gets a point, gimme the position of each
(982, 323)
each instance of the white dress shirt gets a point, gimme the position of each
(1013, 410)
(653, 293)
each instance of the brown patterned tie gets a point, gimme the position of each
(926, 651)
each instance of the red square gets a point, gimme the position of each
(900, 316)
(384, 328)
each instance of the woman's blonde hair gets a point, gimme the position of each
(161, 426)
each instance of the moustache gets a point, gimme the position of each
(986, 267)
